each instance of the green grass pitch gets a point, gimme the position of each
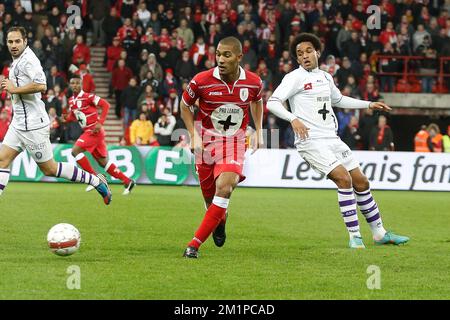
(282, 244)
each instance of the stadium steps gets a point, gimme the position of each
(113, 126)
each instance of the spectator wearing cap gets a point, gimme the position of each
(120, 78)
(111, 25)
(81, 52)
(129, 101)
(113, 54)
(141, 131)
(172, 102)
(153, 66)
(169, 82)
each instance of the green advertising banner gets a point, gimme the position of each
(166, 165)
(163, 165)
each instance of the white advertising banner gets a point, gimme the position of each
(385, 170)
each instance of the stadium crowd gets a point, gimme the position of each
(154, 48)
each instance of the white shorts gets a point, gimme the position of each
(323, 155)
(36, 142)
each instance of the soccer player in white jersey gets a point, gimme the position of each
(311, 93)
(30, 126)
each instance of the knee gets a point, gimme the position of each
(224, 190)
(361, 184)
(344, 181)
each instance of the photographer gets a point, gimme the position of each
(164, 127)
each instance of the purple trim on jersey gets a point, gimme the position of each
(347, 193)
(352, 224)
(4, 171)
(372, 219)
(2, 186)
(347, 202)
(58, 174)
(363, 203)
(365, 193)
(370, 209)
(75, 174)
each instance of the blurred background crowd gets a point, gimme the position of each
(153, 49)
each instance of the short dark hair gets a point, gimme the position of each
(305, 37)
(75, 76)
(234, 42)
(22, 31)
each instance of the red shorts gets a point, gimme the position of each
(213, 163)
(94, 144)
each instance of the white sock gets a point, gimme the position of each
(347, 205)
(369, 209)
(4, 178)
(75, 174)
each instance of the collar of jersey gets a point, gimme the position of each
(315, 70)
(79, 94)
(216, 73)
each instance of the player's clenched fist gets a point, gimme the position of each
(7, 85)
(300, 129)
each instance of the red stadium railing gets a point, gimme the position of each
(409, 70)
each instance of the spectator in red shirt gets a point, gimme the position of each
(88, 84)
(388, 35)
(113, 54)
(123, 31)
(81, 52)
(121, 76)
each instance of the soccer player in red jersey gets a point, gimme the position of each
(225, 94)
(84, 109)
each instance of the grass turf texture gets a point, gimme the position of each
(282, 244)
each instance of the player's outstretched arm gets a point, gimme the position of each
(188, 118)
(256, 109)
(30, 88)
(276, 107)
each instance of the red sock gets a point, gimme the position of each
(116, 173)
(212, 218)
(84, 163)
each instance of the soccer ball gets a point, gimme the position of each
(63, 239)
